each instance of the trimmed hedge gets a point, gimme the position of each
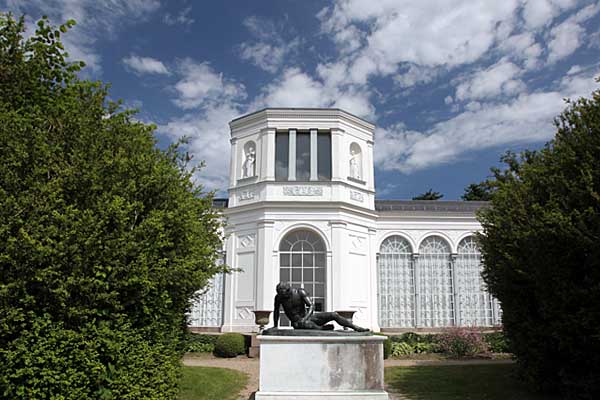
(200, 343)
(230, 345)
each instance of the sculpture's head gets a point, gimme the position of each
(284, 289)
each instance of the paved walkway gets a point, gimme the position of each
(250, 367)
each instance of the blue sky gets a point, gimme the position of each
(451, 85)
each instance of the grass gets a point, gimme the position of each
(459, 382)
(204, 383)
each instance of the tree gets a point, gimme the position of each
(429, 195)
(103, 237)
(481, 191)
(541, 254)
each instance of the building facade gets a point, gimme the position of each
(302, 209)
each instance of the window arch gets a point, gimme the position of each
(476, 307)
(435, 283)
(396, 283)
(302, 263)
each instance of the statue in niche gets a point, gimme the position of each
(300, 310)
(354, 164)
(248, 166)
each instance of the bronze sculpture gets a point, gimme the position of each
(295, 303)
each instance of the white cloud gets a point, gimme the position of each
(182, 18)
(528, 118)
(567, 37)
(95, 18)
(499, 79)
(271, 51)
(208, 135)
(522, 47)
(200, 86)
(145, 65)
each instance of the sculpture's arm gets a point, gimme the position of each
(276, 312)
(308, 303)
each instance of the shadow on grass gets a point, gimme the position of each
(459, 382)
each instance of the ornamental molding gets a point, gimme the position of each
(247, 240)
(302, 191)
(244, 312)
(357, 242)
(357, 196)
(246, 195)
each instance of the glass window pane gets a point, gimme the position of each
(302, 156)
(281, 156)
(284, 275)
(324, 156)
(307, 260)
(320, 275)
(319, 290)
(308, 275)
(320, 260)
(296, 260)
(296, 275)
(284, 260)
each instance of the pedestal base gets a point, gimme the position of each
(321, 367)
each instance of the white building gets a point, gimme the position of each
(302, 209)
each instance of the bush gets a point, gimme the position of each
(104, 238)
(497, 342)
(460, 342)
(541, 254)
(200, 343)
(230, 345)
(401, 349)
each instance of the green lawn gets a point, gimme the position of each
(468, 382)
(203, 383)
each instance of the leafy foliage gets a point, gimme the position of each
(200, 343)
(542, 259)
(429, 195)
(103, 237)
(460, 342)
(230, 345)
(481, 191)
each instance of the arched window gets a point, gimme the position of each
(302, 263)
(396, 284)
(475, 305)
(434, 283)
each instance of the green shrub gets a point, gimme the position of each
(230, 345)
(401, 349)
(540, 246)
(104, 237)
(497, 342)
(461, 342)
(200, 343)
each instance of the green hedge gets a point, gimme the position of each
(230, 345)
(200, 343)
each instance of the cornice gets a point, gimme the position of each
(300, 113)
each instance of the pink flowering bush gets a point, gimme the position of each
(461, 342)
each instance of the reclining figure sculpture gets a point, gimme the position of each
(295, 303)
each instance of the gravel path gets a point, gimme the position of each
(250, 367)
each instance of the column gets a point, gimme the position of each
(415, 261)
(314, 175)
(338, 157)
(455, 298)
(267, 158)
(339, 252)
(233, 163)
(265, 285)
(292, 156)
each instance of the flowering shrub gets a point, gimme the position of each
(460, 342)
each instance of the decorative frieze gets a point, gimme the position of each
(247, 240)
(246, 195)
(302, 191)
(357, 196)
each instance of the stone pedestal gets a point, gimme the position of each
(318, 367)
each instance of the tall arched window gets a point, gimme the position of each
(302, 263)
(434, 283)
(475, 305)
(396, 284)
